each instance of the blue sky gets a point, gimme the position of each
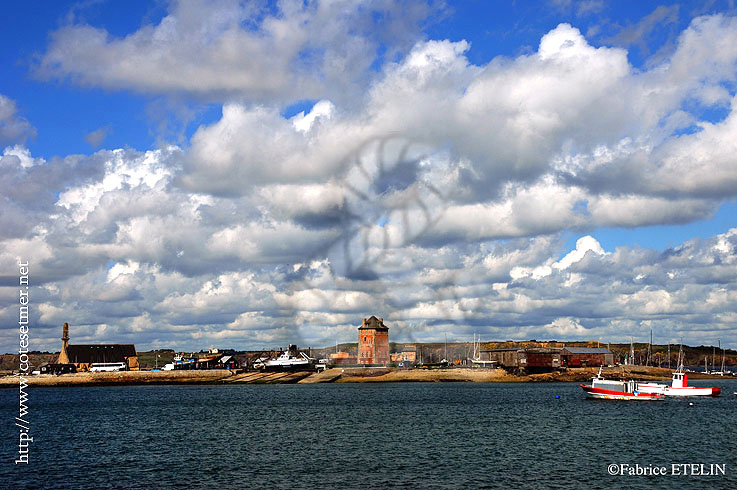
(280, 164)
(491, 28)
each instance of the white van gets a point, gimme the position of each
(101, 367)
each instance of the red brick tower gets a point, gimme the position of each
(373, 341)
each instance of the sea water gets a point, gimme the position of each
(411, 435)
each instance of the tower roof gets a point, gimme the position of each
(373, 323)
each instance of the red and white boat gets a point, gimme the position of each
(609, 389)
(679, 387)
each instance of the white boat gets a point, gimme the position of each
(180, 362)
(679, 387)
(679, 383)
(288, 359)
(476, 360)
(608, 389)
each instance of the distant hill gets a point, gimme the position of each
(9, 362)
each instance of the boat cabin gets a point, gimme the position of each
(614, 385)
(680, 380)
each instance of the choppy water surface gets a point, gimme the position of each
(422, 435)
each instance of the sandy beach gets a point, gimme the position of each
(342, 375)
(119, 378)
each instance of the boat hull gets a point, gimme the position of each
(288, 360)
(286, 366)
(603, 394)
(684, 391)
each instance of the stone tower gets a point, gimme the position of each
(63, 356)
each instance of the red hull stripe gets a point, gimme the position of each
(601, 391)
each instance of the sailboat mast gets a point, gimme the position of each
(632, 350)
(719, 346)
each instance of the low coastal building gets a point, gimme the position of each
(373, 341)
(405, 358)
(342, 358)
(228, 362)
(83, 356)
(506, 358)
(214, 360)
(54, 368)
(539, 359)
(533, 359)
(586, 356)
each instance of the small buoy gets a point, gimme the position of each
(557, 396)
(690, 404)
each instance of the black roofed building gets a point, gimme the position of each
(84, 355)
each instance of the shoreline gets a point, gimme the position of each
(118, 378)
(341, 375)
